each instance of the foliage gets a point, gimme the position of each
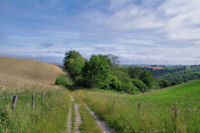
(126, 83)
(134, 72)
(115, 84)
(74, 63)
(178, 77)
(97, 71)
(164, 83)
(114, 60)
(103, 71)
(140, 85)
(61, 80)
(147, 78)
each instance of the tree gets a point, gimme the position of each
(97, 71)
(147, 78)
(134, 72)
(74, 63)
(140, 85)
(115, 84)
(114, 59)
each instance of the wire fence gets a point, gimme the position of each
(12, 99)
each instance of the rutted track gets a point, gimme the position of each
(77, 119)
(102, 124)
(69, 121)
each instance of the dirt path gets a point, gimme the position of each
(69, 121)
(102, 124)
(77, 119)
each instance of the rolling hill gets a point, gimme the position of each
(175, 109)
(25, 79)
(34, 71)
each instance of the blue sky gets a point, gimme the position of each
(138, 31)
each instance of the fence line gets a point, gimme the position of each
(15, 97)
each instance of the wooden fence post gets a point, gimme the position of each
(14, 102)
(33, 101)
(43, 93)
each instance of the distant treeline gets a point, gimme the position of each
(103, 71)
(176, 75)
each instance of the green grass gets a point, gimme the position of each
(49, 116)
(64, 81)
(88, 124)
(156, 111)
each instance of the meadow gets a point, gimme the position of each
(175, 109)
(25, 78)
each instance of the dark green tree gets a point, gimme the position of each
(134, 72)
(97, 71)
(147, 78)
(115, 84)
(140, 85)
(74, 64)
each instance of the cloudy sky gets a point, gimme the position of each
(138, 31)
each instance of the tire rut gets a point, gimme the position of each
(69, 121)
(77, 118)
(102, 124)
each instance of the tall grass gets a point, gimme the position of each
(23, 78)
(48, 116)
(154, 112)
(88, 124)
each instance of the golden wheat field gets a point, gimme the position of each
(21, 74)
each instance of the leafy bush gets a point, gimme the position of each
(147, 78)
(74, 63)
(97, 71)
(164, 83)
(128, 86)
(115, 84)
(61, 80)
(140, 85)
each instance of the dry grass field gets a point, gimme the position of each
(29, 70)
(25, 78)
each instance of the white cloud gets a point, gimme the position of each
(146, 31)
(175, 19)
(183, 21)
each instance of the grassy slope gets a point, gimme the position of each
(39, 72)
(156, 111)
(25, 77)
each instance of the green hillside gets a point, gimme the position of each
(175, 109)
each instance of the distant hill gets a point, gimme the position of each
(29, 70)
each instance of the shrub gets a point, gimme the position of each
(61, 80)
(74, 63)
(164, 83)
(128, 86)
(147, 78)
(97, 71)
(115, 84)
(140, 85)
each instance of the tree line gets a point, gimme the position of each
(104, 72)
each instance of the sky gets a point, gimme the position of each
(158, 32)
